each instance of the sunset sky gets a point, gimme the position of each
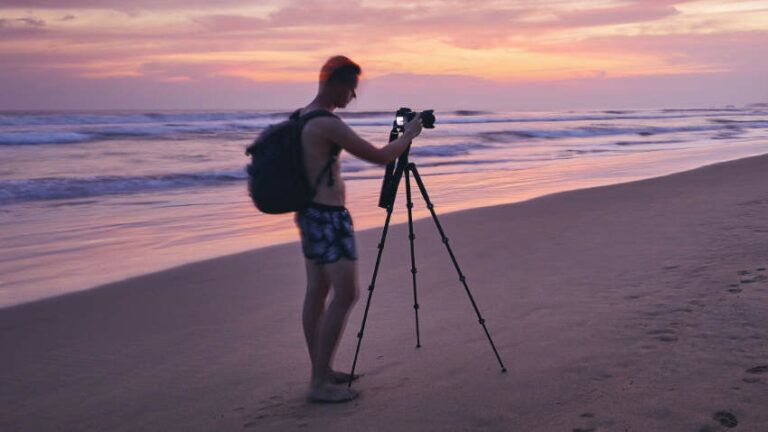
(264, 54)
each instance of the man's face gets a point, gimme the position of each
(346, 94)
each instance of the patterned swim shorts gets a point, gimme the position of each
(326, 233)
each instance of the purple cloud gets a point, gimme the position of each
(114, 4)
(232, 23)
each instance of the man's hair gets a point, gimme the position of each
(340, 69)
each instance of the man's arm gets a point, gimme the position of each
(338, 132)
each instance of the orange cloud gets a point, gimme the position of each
(282, 40)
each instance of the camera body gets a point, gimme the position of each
(404, 115)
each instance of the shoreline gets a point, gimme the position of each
(128, 236)
(420, 214)
(612, 307)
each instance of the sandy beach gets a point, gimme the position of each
(633, 307)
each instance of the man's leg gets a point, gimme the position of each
(318, 285)
(343, 276)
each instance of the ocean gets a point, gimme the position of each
(93, 197)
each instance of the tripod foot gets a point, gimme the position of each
(503, 370)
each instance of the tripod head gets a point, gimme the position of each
(394, 170)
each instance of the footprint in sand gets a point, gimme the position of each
(587, 415)
(726, 419)
(664, 335)
(758, 369)
(755, 371)
(747, 277)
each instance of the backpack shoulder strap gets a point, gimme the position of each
(313, 114)
(334, 153)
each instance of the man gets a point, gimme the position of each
(326, 229)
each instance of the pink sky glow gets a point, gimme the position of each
(487, 54)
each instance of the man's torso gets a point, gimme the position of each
(317, 151)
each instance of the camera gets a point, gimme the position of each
(405, 115)
(394, 171)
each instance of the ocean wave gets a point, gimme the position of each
(470, 113)
(632, 143)
(171, 131)
(587, 151)
(55, 188)
(475, 162)
(490, 119)
(697, 110)
(591, 131)
(34, 138)
(447, 150)
(757, 123)
(113, 118)
(14, 191)
(34, 129)
(362, 114)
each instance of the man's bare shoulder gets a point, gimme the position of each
(325, 126)
(323, 132)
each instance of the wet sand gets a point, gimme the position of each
(634, 307)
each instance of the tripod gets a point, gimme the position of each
(387, 199)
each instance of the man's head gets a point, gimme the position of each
(338, 80)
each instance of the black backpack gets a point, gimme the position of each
(277, 180)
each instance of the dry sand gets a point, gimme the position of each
(635, 307)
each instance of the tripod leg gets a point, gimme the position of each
(411, 238)
(462, 278)
(370, 290)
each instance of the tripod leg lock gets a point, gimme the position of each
(462, 278)
(370, 287)
(430, 206)
(482, 321)
(410, 205)
(412, 236)
(360, 335)
(414, 271)
(416, 306)
(445, 240)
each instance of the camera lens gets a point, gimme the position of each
(428, 119)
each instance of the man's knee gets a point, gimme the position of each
(346, 296)
(318, 287)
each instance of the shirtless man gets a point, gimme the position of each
(327, 235)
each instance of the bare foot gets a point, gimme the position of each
(326, 393)
(342, 377)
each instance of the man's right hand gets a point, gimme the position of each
(412, 129)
